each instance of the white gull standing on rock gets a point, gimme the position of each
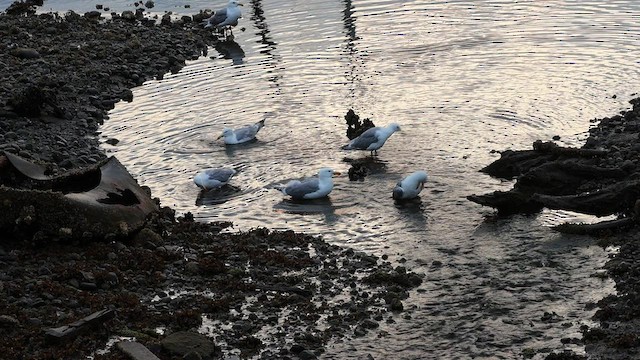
(410, 186)
(241, 135)
(373, 138)
(209, 179)
(225, 18)
(311, 188)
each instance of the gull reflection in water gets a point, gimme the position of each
(217, 196)
(323, 206)
(230, 49)
(412, 212)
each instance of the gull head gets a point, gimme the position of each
(327, 173)
(226, 132)
(234, 3)
(393, 127)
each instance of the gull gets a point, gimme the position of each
(213, 178)
(311, 188)
(224, 19)
(410, 186)
(372, 139)
(241, 135)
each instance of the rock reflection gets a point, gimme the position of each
(362, 167)
(260, 22)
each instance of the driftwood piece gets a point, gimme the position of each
(551, 148)
(594, 229)
(515, 163)
(508, 202)
(618, 198)
(136, 351)
(564, 177)
(68, 332)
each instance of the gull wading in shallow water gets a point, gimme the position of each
(312, 188)
(209, 179)
(410, 186)
(224, 19)
(241, 135)
(372, 139)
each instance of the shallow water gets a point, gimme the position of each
(462, 78)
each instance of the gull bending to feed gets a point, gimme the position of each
(213, 178)
(241, 135)
(312, 188)
(410, 186)
(372, 139)
(225, 18)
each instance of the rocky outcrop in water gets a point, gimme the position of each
(601, 178)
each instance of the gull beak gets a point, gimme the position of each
(241, 4)
(336, 173)
(219, 137)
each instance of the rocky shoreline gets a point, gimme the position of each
(601, 178)
(274, 294)
(159, 284)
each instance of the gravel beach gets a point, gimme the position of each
(280, 294)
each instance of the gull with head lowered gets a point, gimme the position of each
(410, 186)
(372, 139)
(213, 178)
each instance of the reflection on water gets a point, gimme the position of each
(217, 196)
(462, 78)
(230, 49)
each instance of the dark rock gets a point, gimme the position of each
(25, 53)
(93, 14)
(307, 355)
(136, 351)
(183, 342)
(7, 321)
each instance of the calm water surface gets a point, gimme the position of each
(462, 78)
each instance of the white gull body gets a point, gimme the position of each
(410, 186)
(311, 188)
(209, 179)
(226, 17)
(241, 135)
(372, 139)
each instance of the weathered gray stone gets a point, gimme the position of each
(136, 351)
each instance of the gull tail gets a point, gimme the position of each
(346, 147)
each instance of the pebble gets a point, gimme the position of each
(8, 321)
